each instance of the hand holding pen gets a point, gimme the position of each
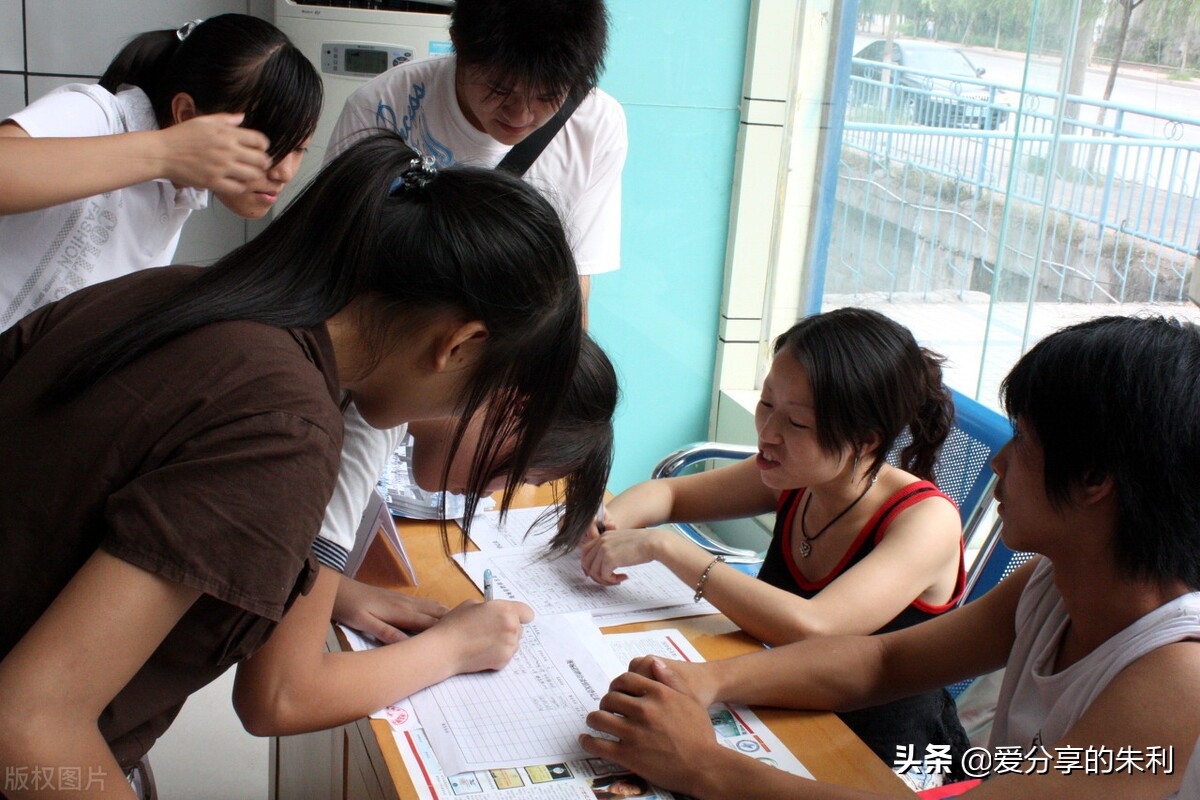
(604, 522)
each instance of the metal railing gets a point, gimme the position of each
(963, 184)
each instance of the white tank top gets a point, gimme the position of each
(1037, 706)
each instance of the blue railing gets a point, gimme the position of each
(961, 184)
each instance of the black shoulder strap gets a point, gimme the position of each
(524, 153)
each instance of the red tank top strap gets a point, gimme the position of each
(906, 497)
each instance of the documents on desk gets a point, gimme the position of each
(544, 699)
(521, 571)
(522, 527)
(532, 711)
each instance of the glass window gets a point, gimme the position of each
(998, 179)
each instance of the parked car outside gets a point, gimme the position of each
(939, 85)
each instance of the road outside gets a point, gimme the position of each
(1135, 88)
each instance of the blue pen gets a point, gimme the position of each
(487, 584)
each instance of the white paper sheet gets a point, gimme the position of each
(518, 530)
(532, 711)
(559, 586)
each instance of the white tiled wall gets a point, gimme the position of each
(69, 41)
(12, 93)
(12, 57)
(12, 49)
(39, 85)
(67, 36)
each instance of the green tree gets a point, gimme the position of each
(1177, 21)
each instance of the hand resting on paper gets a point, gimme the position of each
(387, 615)
(601, 554)
(662, 731)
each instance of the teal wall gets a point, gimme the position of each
(676, 67)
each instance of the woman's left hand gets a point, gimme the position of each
(601, 554)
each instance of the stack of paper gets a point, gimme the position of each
(490, 733)
(515, 552)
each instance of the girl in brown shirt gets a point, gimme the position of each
(171, 439)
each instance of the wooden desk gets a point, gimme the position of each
(360, 760)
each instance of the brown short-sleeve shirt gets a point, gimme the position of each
(208, 461)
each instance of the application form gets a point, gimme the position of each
(530, 712)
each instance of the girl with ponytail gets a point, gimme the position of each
(172, 438)
(100, 178)
(860, 546)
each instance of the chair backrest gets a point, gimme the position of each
(695, 453)
(994, 563)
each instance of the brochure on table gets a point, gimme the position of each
(587, 778)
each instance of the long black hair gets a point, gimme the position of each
(580, 443)
(578, 446)
(869, 376)
(470, 241)
(227, 63)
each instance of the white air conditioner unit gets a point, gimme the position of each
(352, 41)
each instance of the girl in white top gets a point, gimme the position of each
(99, 179)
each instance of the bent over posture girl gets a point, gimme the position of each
(99, 178)
(173, 439)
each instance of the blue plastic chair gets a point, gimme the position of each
(961, 471)
(747, 561)
(994, 563)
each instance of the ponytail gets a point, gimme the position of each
(474, 242)
(932, 422)
(228, 63)
(142, 63)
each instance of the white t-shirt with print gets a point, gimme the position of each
(47, 254)
(579, 171)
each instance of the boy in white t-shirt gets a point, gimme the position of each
(516, 63)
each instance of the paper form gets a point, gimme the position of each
(735, 727)
(532, 711)
(559, 586)
(518, 531)
(688, 609)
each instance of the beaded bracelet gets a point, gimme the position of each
(704, 578)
